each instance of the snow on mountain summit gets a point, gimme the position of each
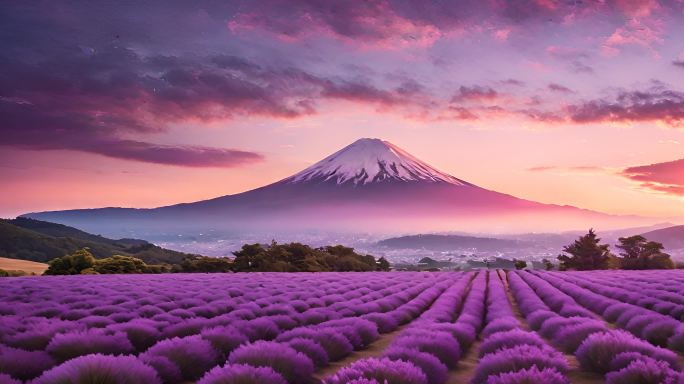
(372, 161)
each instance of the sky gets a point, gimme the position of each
(151, 103)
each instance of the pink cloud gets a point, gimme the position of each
(665, 177)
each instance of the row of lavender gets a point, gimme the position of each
(281, 328)
(184, 327)
(572, 328)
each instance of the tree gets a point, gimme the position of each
(639, 253)
(120, 264)
(383, 264)
(519, 264)
(547, 264)
(205, 264)
(80, 261)
(586, 253)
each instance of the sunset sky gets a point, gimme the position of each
(578, 103)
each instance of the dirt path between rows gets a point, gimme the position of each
(375, 349)
(465, 370)
(575, 374)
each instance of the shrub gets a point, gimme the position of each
(6, 379)
(676, 341)
(381, 370)
(434, 370)
(383, 321)
(598, 349)
(166, 369)
(516, 358)
(624, 359)
(439, 344)
(22, 364)
(192, 355)
(294, 366)
(311, 349)
(508, 339)
(570, 337)
(224, 339)
(537, 318)
(142, 334)
(100, 369)
(660, 331)
(645, 371)
(65, 346)
(500, 325)
(335, 345)
(242, 374)
(532, 375)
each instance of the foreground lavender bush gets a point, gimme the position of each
(24, 365)
(100, 369)
(311, 349)
(192, 355)
(434, 370)
(294, 366)
(7, 379)
(645, 371)
(531, 375)
(599, 349)
(516, 358)
(381, 370)
(66, 346)
(242, 374)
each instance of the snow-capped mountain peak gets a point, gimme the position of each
(372, 161)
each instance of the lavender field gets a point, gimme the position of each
(453, 327)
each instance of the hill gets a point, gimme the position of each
(671, 237)
(42, 241)
(450, 242)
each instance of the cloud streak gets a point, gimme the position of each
(667, 177)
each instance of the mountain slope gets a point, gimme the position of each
(671, 238)
(370, 185)
(41, 241)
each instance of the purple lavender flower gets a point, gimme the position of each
(645, 371)
(24, 365)
(380, 370)
(100, 369)
(434, 370)
(294, 366)
(242, 374)
(532, 375)
(192, 355)
(65, 346)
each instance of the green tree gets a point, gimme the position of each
(120, 264)
(383, 264)
(205, 264)
(639, 253)
(548, 265)
(74, 264)
(586, 253)
(519, 264)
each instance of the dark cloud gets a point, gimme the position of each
(559, 88)
(655, 104)
(474, 93)
(665, 177)
(101, 92)
(678, 63)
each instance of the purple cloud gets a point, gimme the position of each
(474, 93)
(559, 88)
(665, 177)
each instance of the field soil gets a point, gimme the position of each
(22, 265)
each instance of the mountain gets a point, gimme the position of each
(671, 237)
(35, 240)
(370, 185)
(450, 243)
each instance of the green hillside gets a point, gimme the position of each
(41, 241)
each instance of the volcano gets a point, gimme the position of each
(369, 185)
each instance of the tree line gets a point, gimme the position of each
(636, 252)
(291, 257)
